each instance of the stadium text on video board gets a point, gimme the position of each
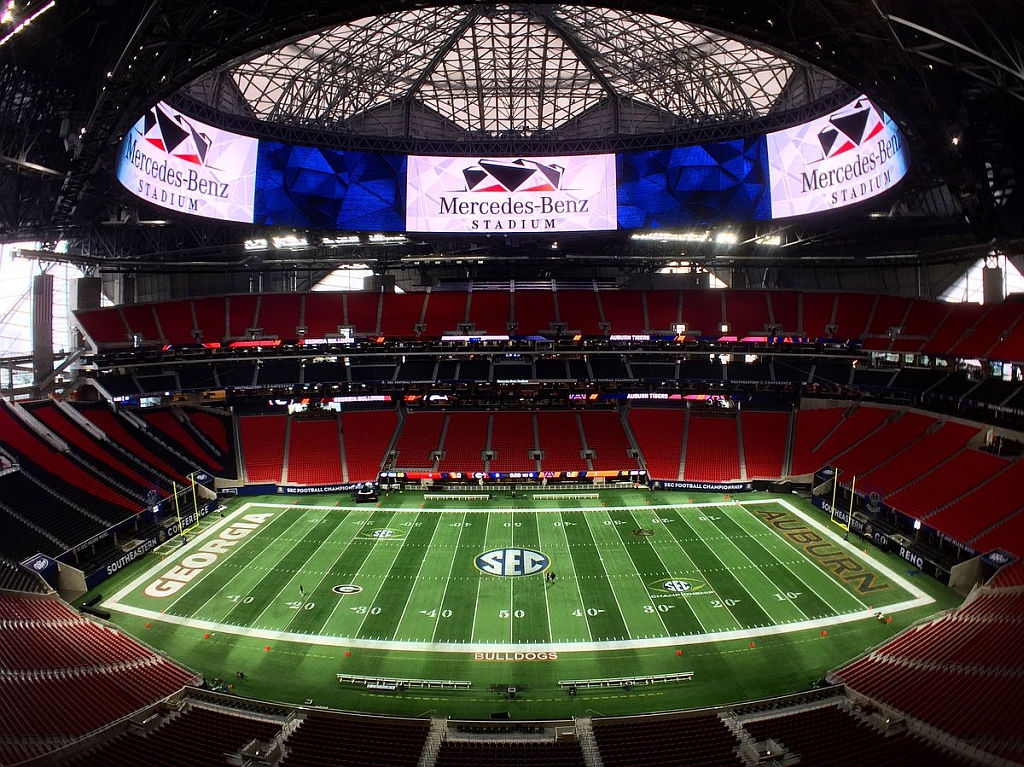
(533, 194)
(855, 153)
(183, 165)
(178, 163)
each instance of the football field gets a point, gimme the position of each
(555, 578)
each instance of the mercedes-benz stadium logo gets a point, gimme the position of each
(175, 135)
(850, 127)
(512, 176)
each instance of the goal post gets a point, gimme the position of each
(853, 494)
(180, 493)
(826, 486)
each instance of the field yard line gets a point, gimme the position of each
(763, 575)
(339, 556)
(183, 551)
(340, 553)
(420, 570)
(703, 575)
(608, 577)
(640, 578)
(922, 597)
(479, 580)
(512, 582)
(114, 603)
(447, 580)
(575, 577)
(351, 540)
(377, 543)
(783, 563)
(728, 570)
(547, 604)
(280, 591)
(470, 647)
(658, 555)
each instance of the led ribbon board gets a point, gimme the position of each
(839, 159)
(183, 165)
(511, 194)
(855, 153)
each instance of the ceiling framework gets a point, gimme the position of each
(987, 55)
(517, 70)
(950, 70)
(440, 138)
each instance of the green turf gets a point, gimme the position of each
(646, 584)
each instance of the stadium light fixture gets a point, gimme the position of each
(258, 244)
(28, 20)
(695, 236)
(350, 239)
(726, 238)
(290, 241)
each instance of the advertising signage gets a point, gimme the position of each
(511, 194)
(178, 163)
(855, 153)
(183, 165)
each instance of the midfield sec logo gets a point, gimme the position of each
(512, 562)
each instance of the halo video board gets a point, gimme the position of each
(178, 163)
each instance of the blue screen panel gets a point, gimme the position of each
(695, 185)
(329, 189)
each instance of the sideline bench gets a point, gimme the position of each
(391, 684)
(566, 496)
(626, 681)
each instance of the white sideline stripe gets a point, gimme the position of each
(626, 644)
(921, 599)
